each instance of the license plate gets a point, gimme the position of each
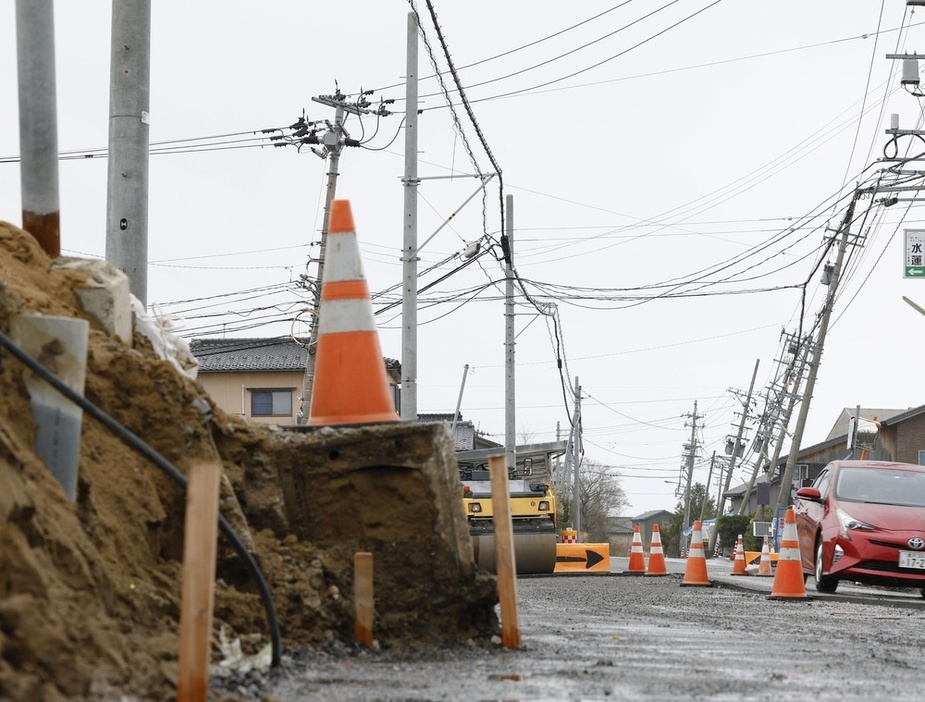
(912, 559)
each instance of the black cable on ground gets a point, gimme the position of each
(135, 442)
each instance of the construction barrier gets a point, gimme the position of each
(350, 384)
(657, 564)
(569, 536)
(788, 580)
(696, 571)
(753, 557)
(637, 564)
(582, 558)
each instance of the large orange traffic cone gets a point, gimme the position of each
(764, 565)
(350, 384)
(696, 571)
(738, 567)
(656, 555)
(788, 580)
(637, 564)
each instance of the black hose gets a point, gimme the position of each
(132, 440)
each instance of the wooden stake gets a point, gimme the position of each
(199, 548)
(363, 607)
(504, 552)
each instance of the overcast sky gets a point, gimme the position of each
(644, 144)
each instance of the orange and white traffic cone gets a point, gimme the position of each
(657, 564)
(637, 565)
(788, 580)
(350, 384)
(738, 567)
(764, 565)
(696, 571)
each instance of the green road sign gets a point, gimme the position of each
(914, 263)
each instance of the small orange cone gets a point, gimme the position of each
(788, 580)
(350, 384)
(738, 568)
(637, 565)
(764, 565)
(696, 571)
(656, 555)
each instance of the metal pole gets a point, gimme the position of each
(38, 123)
(127, 180)
(783, 493)
(462, 387)
(510, 436)
(409, 308)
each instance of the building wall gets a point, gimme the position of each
(910, 439)
(232, 392)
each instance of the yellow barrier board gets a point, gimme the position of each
(582, 558)
(755, 557)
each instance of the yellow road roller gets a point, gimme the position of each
(533, 513)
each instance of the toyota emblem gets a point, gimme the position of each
(916, 543)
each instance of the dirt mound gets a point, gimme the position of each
(90, 591)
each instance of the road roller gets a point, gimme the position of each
(533, 514)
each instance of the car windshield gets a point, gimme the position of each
(882, 486)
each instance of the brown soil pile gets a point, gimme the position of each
(90, 591)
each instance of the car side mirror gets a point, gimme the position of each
(810, 493)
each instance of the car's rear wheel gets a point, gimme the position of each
(823, 582)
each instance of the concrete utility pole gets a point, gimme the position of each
(776, 415)
(38, 122)
(738, 439)
(333, 141)
(691, 454)
(510, 426)
(783, 495)
(732, 459)
(409, 308)
(129, 139)
(571, 460)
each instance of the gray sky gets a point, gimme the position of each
(638, 150)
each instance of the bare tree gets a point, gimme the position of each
(600, 496)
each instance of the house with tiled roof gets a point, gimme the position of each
(261, 379)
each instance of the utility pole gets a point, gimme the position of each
(332, 142)
(574, 440)
(129, 140)
(690, 455)
(409, 309)
(510, 427)
(776, 416)
(735, 452)
(783, 495)
(38, 123)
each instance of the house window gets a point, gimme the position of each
(271, 403)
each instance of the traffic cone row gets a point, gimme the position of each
(738, 566)
(696, 571)
(637, 565)
(788, 580)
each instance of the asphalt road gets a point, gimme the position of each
(606, 637)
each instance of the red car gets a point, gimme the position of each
(863, 521)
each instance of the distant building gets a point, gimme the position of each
(647, 520)
(261, 379)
